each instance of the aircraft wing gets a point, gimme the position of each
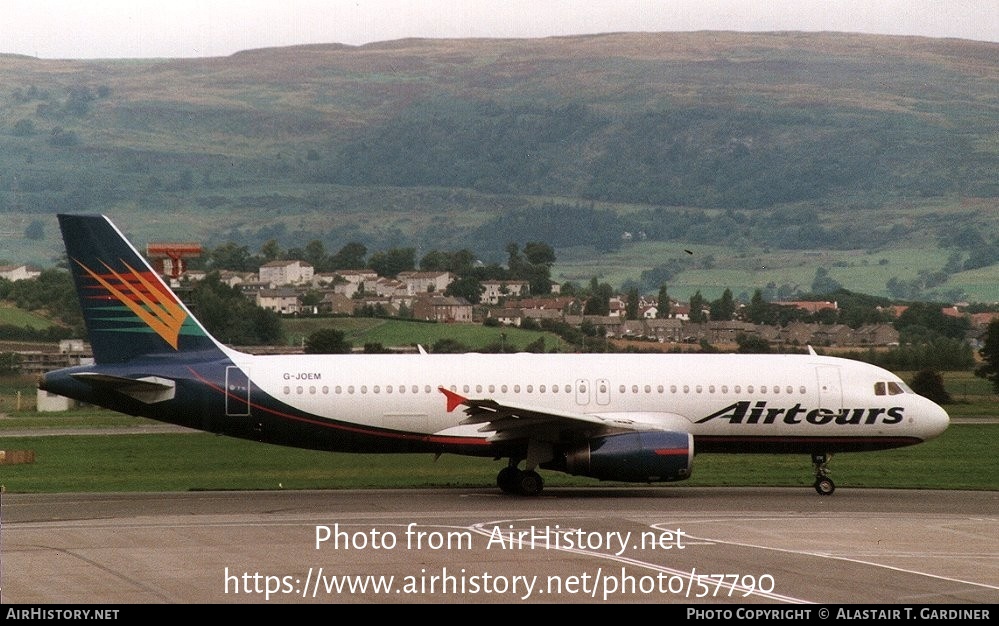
(516, 421)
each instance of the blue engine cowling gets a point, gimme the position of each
(650, 456)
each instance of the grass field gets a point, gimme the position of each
(959, 459)
(388, 332)
(12, 316)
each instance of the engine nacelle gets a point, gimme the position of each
(649, 456)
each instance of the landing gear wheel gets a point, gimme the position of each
(531, 483)
(508, 479)
(824, 486)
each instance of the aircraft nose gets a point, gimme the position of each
(935, 420)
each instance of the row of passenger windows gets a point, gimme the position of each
(602, 389)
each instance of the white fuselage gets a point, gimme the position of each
(715, 395)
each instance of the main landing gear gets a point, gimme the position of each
(519, 482)
(823, 484)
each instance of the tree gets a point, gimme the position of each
(631, 307)
(271, 251)
(752, 344)
(824, 283)
(229, 256)
(230, 316)
(723, 308)
(598, 301)
(663, 306)
(539, 253)
(315, 255)
(350, 257)
(697, 308)
(929, 384)
(757, 310)
(468, 288)
(389, 263)
(989, 370)
(327, 341)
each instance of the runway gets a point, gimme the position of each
(729, 546)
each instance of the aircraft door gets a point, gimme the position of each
(237, 391)
(830, 388)
(603, 391)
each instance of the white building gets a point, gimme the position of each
(278, 273)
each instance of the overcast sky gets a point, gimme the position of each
(196, 28)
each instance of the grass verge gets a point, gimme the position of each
(959, 459)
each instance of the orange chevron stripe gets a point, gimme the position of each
(159, 311)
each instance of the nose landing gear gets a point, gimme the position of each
(824, 485)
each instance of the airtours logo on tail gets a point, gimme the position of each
(159, 310)
(740, 413)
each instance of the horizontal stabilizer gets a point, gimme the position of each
(148, 389)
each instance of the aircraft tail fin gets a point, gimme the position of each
(129, 310)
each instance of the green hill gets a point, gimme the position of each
(750, 142)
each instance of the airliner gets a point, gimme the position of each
(618, 417)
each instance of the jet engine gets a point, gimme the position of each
(647, 456)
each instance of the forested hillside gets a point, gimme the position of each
(766, 141)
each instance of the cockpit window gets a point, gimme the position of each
(890, 388)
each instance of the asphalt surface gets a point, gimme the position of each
(732, 546)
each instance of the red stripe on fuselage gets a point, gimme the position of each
(362, 430)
